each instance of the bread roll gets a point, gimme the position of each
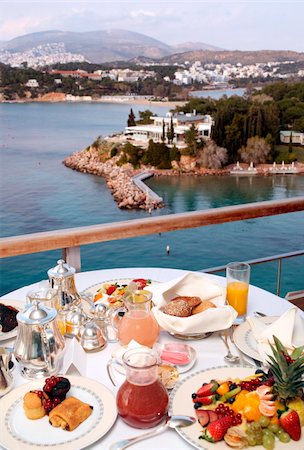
(33, 406)
(192, 301)
(206, 304)
(178, 308)
(70, 413)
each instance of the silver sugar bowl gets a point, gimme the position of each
(39, 346)
(74, 320)
(91, 337)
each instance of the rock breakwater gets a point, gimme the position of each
(119, 179)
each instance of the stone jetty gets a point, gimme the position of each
(119, 179)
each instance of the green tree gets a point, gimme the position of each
(145, 117)
(158, 155)
(131, 119)
(174, 153)
(170, 133)
(191, 139)
(163, 136)
(290, 143)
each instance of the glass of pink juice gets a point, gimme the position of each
(238, 276)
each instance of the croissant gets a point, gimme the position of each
(70, 413)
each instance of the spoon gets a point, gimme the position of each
(230, 358)
(259, 314)
(171, 422)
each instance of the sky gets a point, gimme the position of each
(239, 25)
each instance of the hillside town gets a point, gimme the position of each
(187, 73)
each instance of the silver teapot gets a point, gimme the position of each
(62, 279)
(39, 345)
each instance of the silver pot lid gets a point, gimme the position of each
(36, 313)
(62, 270)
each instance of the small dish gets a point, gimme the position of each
(183, 356)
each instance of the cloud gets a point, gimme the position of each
(23, 25)
(143, 13)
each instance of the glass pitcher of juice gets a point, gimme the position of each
(138, 321)
(142, 400)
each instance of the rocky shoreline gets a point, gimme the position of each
(120, 178)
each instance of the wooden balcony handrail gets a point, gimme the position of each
(74, 237)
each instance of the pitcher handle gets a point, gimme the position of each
(114, 315)
(110, 370)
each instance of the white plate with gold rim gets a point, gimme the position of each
(181, 404)
(245, 341)
(19, 432)
(18, 304)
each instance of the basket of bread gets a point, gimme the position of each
(191, 306)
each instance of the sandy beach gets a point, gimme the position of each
(139, 101)
(128, 100)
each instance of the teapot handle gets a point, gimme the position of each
(45, 345)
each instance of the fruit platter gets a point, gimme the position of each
(112, 292)
(236, 407)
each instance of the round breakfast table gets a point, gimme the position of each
(210, 351)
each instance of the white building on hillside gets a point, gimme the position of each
(296, 137)
(32, 83)
(181, 123)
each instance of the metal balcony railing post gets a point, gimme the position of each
(279, 276)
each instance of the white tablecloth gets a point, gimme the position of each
(210, 351)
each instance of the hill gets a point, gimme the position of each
(234, 57)
(101, 45)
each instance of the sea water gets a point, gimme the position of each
(38, 193)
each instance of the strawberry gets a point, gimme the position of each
(290, 423)
(212, 416)
(202, 416)
(111, 289)
(216, 430)
(204, 400)
(141, 282)
(207, 389)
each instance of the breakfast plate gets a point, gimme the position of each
(245, 340)
(20, 432)
(121, 283)
(116, 297)
(18, 304)
(181, 404)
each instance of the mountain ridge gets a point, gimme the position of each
(102, 45)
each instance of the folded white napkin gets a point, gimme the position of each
(288, 328)
(192, 284)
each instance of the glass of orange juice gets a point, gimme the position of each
(238, 276)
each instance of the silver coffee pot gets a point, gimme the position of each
(62, 279)
(39, 345)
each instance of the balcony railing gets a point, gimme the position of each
(70, 240)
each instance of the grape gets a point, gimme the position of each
(268, 442)
(264, 421)
(255, 426)
(267, 432)
(259, 437)
(251, 439)
(274, 427)
(284, 437)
